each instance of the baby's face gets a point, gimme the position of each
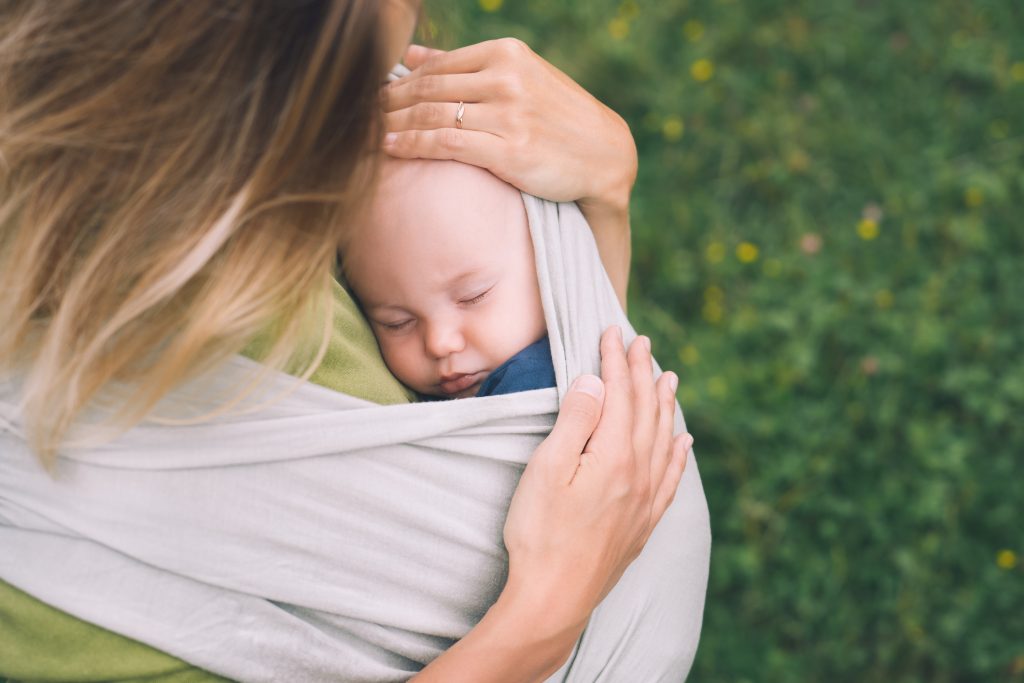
(445, 272)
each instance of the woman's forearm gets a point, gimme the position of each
(606, 204)
(610, 225)
(521, 639)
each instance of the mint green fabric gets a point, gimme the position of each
(39, 643)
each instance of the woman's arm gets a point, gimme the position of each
(609, 222)
(517, 641)
(526, 122)
(585, 506)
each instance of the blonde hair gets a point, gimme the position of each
(174, 179)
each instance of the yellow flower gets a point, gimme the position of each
(712, 312)
(693, 30)
(673, 128)
(867, 229)
(714, 294)
(883, 298)
(973, 197)
(1017, 667)
(715, 252)
(618, 28)
(702, 70)
(798, 161)
(1006, 559)
(1017, 71)
(629, 9)
(430, 30)
(747, 252)
(689, 354)
(491, 5)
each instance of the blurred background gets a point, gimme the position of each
(828, 247)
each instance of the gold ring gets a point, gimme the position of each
(458, 114)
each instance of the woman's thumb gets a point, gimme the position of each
(577, 418)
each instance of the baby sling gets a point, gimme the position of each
(322, 537)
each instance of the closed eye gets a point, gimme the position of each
(478, 298)
(394, 327)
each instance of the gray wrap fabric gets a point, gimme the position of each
(324, 538)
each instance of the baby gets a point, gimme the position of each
(444, 270)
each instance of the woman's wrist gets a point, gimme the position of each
(523, 637)
(614, 170)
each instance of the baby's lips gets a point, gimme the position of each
(459, 383)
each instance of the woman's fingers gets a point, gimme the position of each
(645, 413)
(661, 453)
(561, 143)
(613, 436)
(430, 115)
(670, 483)
(577, 417)
(449, 88)
(468, 59)
(415, 55)
(468, 146)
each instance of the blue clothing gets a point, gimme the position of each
(529, 369)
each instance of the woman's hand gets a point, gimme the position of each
(585, 506)
(597, 486)
(527, 123)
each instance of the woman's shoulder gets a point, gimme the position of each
(352, 363)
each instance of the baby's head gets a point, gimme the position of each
(444, 270)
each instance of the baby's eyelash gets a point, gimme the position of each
(396, 326)
(478, 298)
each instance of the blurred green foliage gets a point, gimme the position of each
(828, 246)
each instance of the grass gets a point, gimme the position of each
(828, 247)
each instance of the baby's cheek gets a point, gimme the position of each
(518, 323)
(396, 357)
(531, 309)
(406, 360)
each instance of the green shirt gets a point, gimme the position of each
(40, 643)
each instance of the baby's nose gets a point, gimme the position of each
(443, 340)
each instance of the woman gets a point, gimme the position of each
(176, 182)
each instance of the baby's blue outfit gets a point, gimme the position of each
(529, 369)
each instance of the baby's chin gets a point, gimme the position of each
(473, 389)
(468, 393)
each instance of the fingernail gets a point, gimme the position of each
(618, 332)
(589, 384)
(390, 138)
(688, 440)
(646, 341)
(673, 381)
